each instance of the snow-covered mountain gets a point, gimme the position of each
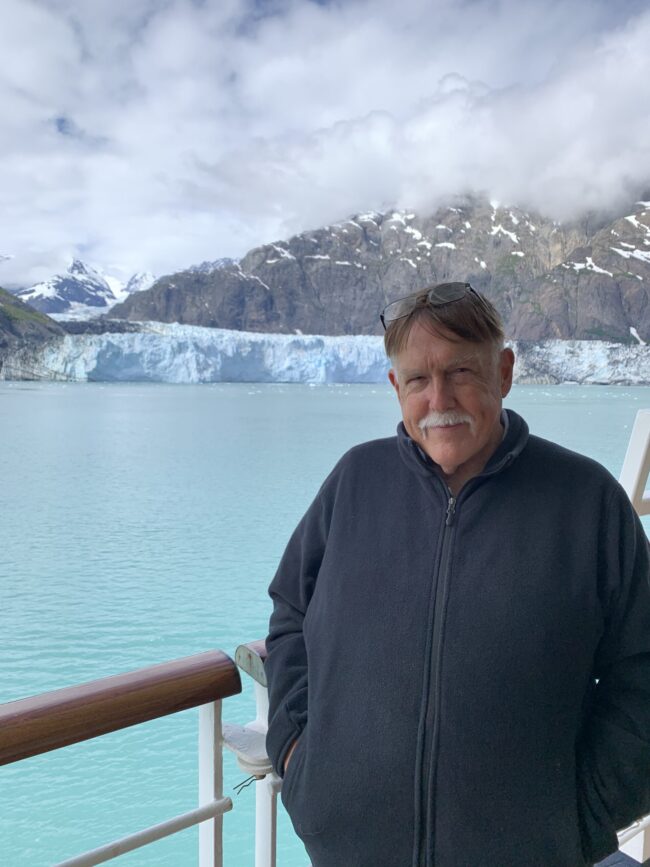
(140, 282)
(82, 292)
(80, 287)
(210, 267)
(585, 279)
(190, 354)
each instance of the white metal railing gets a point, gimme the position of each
(208, 815)
(635, 840)
(636, 466)
(249, 745)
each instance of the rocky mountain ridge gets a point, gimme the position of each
(584, 280)
(21, 325)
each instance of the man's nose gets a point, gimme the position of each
(440, 394)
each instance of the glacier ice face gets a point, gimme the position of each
(174, 353)
(589, 362)
(190, 354)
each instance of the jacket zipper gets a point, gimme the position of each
(430, 736)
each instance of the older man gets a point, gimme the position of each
(459, 651)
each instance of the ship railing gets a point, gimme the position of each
(36, 725)
(636, 464)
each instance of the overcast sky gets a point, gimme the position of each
(154, 134)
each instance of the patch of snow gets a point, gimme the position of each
(499, 230)
(468, 225)
(411, 231)
(442, 226)
(410, 261)
(590, 266)
(257, 279)
(637, 223)
(368, 218)
(208, 267)
(426, 244)
(317, 256)
(482, 264)
(140, 282)
(641, 255)
(446, 244)
(513, 219)
(635, 334)
(284, 253)
(517, 253)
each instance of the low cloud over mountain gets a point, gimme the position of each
(149, 135)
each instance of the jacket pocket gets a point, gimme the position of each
(296, 795)
(291, 772)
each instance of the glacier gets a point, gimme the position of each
(172, 353)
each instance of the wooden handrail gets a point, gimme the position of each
(251, 658)
(35, 725)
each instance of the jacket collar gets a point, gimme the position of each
(513, 443)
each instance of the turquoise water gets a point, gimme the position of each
(143, 523)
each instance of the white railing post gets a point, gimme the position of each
(248, 742)
(266, 793)
(634, 477)
(210, 783)
(636, 465)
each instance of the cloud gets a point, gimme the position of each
(151, 135)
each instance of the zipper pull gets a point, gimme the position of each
(451, 509)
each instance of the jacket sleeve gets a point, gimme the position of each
(613, 753)
(286, 663)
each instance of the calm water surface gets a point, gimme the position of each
(144, 522)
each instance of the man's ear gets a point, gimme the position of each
(392, 376)
(506, 367)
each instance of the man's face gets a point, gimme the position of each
(450, 392)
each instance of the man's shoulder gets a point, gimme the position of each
(368, 457)
(550, 457)
(363, 468)
(373, 450)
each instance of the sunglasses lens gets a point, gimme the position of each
(399, 308)
(445, 293)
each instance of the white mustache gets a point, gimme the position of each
(444, 419)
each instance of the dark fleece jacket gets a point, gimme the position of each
(469, 679)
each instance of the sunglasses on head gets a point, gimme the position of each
(436, 296)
